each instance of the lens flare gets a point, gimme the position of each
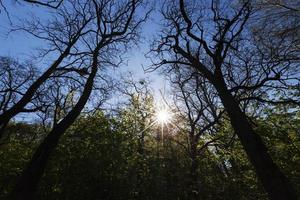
(163, 116)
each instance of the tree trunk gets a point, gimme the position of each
(273, 180)
(28, 181)
(194, 186)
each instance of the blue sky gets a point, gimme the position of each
(22, 46)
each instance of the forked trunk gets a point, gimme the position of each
(28, 181)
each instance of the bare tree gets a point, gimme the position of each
(62, 33)
(54, 4)
(274, 28)
(47, 3)
(16, 78)
(115, 26)
(214, 40)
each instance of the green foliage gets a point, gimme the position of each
(100, 158)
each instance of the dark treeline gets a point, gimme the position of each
(99, 158)
(228, 127)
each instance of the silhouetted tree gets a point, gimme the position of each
(61, 35)
(115, 24)
(213, 39)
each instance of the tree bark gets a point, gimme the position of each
(28, 181)
(273, 180)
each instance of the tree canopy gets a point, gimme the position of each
(224, 124)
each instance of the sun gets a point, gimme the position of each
(163, 116)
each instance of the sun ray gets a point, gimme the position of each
(148, 126)
(162, 134)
